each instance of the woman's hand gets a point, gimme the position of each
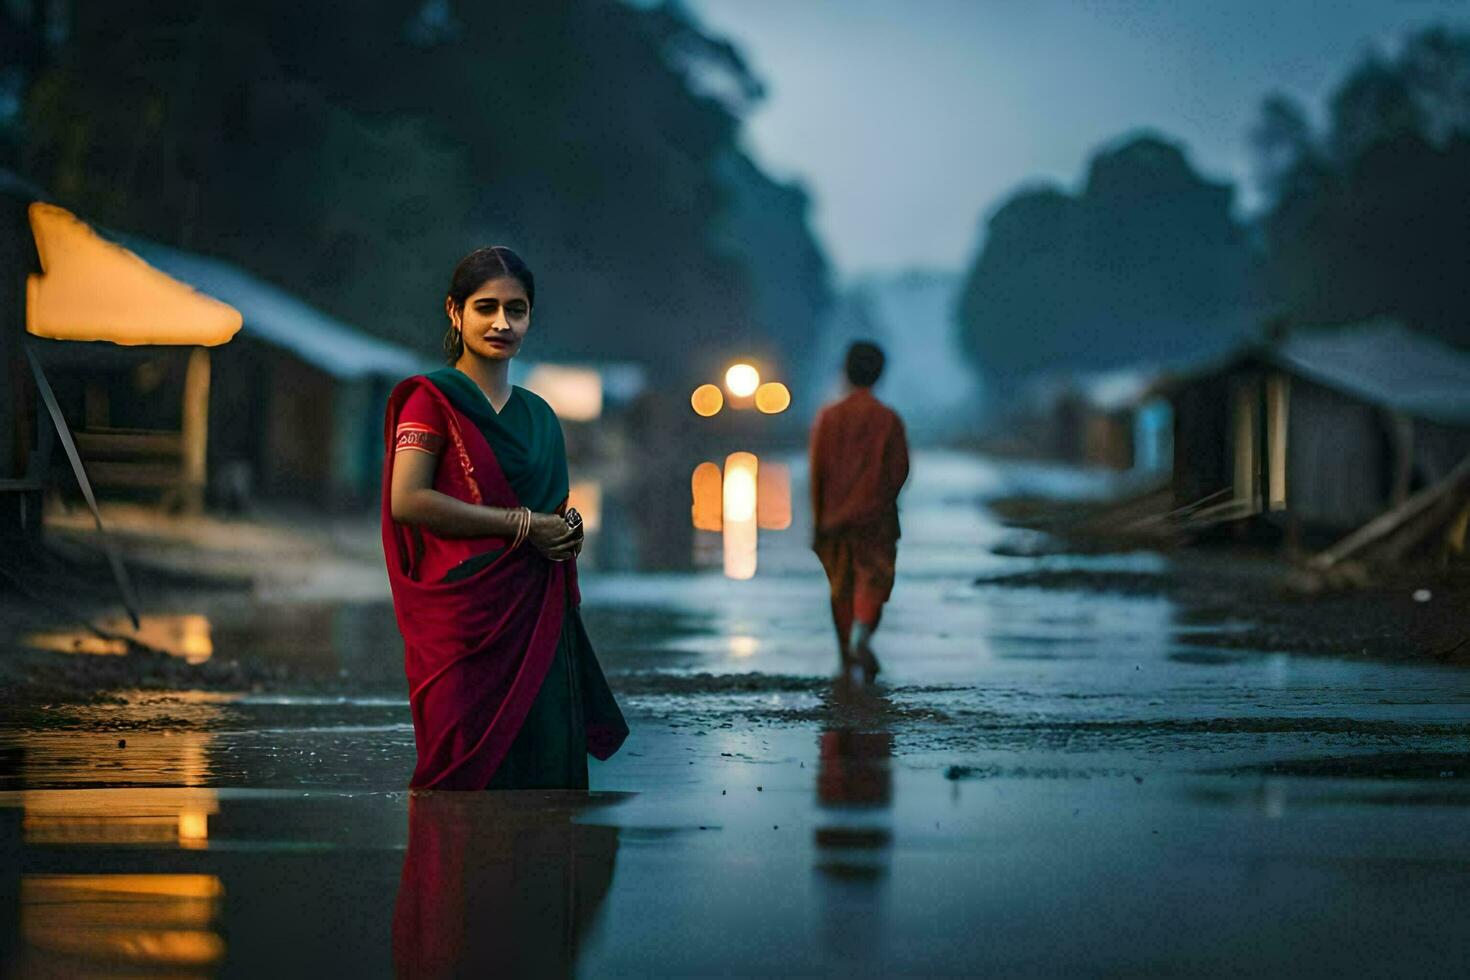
(551, 536)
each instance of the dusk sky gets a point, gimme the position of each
(909, 122)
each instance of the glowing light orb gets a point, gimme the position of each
(772, 398)
(707, 400)
(742, 380)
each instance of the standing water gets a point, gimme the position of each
(1044, 781)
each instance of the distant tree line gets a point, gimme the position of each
(1372, 215)
(1143, 264)
(1146, 264)
(353, 151)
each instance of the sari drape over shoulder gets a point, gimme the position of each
(481, 624)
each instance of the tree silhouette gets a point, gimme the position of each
(1370, 218)
(353, 151)
(1144, 264)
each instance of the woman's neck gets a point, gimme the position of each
(493, 377)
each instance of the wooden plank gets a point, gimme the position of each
(148, 475)
(1448, 491)
(95, 444)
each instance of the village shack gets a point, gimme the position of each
(297, 404)
(72, 296)
(1113, 419)
(292, 410)
(1321, 430)
(20, 485)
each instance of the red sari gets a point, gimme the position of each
(478, 645)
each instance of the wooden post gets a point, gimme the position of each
(14, 265)
(1278, 408)
(1403, 459)
(1246, 424)
(192, 472)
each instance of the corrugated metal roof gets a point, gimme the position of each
(1383, 362)
(274, 316)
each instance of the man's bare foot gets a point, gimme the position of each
(862, 656)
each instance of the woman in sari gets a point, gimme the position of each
(505, 690)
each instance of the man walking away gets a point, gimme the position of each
(859, 461)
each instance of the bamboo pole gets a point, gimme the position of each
(192, 474)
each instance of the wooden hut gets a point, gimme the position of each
(1321, 430)
(297, 404)
(292, 409)
(72, 296)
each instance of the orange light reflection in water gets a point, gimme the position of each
(185, 636)
(706, 488)
(120, 922)
(773, 497)
(128, 815)
(748, 496)
(741, 471)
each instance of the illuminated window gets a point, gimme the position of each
(574, 394)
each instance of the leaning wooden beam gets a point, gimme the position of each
(119, 573)
(1456, 484)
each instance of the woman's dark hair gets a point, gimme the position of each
(864, 363)
(473, 271)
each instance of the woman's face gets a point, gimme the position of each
(494, 319)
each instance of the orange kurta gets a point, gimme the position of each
(859, 462)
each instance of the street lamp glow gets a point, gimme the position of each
(742, 380)
(772, 398)
(707, 400)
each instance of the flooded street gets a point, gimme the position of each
(1043, 781)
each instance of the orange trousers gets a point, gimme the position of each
(860, 564)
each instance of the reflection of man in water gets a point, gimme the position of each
(859, 461)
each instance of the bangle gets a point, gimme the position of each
(518, 535)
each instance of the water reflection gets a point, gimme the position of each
(773, 497)
(854, 843)
(160, 757)
(185, 636)
(116, 925)
(707, 510)
(739, 515)
(499, 884)
(745, 497)
(115, 816)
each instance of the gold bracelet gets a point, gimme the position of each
(517, 528)
(524, 530)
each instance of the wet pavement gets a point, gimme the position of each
(1043, 782)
